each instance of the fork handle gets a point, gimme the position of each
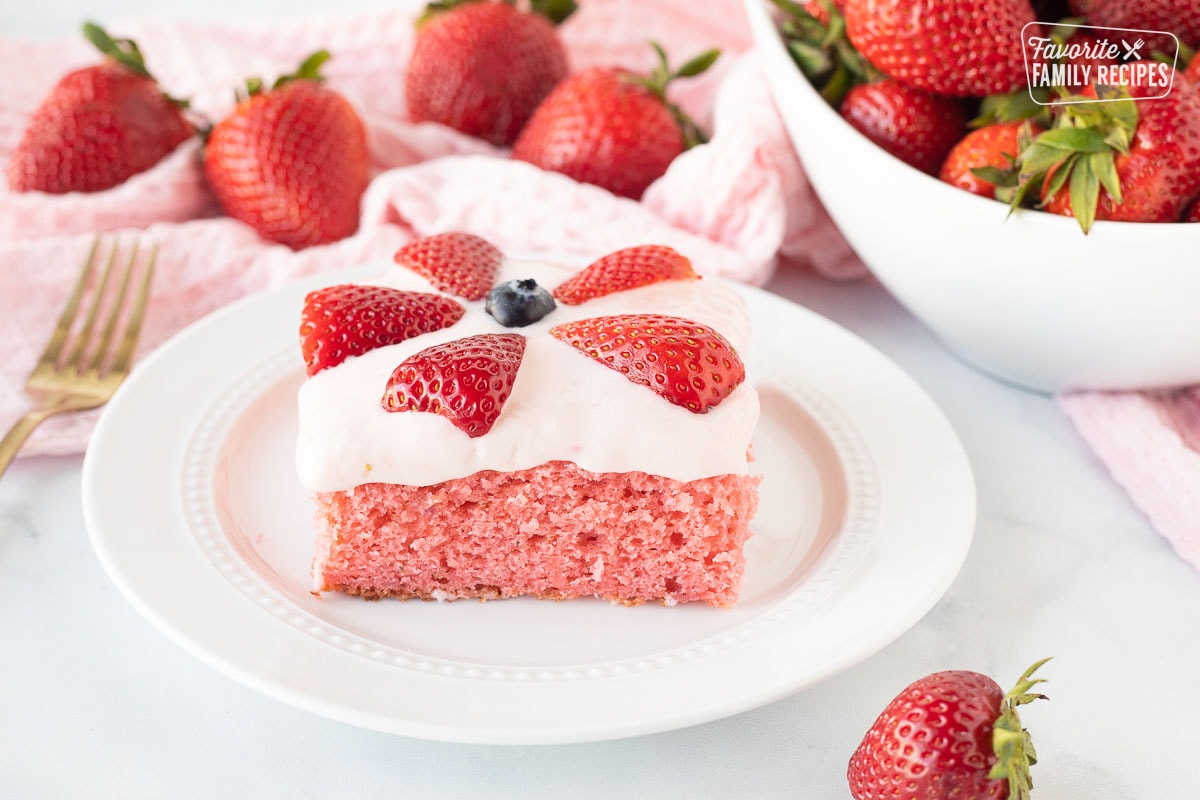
(17, 435)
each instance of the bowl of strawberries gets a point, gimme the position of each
(1024, 178)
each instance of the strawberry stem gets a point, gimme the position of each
(309, 70)
(1011, 742)
(1079, 154)
(554, 10)
(662, 75)
(821, 50)
(124, 51)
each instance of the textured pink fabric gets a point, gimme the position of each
(1150, 442)
(735, 205)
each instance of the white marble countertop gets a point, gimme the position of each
(98, 704)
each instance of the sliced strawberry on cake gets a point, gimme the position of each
(466, 380)
(626, 269)
(349, 319)
(682, 361)
(460, 264)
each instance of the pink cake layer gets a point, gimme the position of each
(554, 531)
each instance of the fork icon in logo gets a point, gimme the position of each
(1132, 50)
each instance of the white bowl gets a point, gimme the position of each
(1027, 298)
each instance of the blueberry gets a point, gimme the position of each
(518, 303)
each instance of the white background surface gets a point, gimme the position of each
(95, 703)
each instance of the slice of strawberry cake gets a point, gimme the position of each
(479, 426)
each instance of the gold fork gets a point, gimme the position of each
(80, 367)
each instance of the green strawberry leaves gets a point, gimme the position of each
(822, 51)
(309, 70)
(1079, 154)
(1011, 741)
(554, 10)
(662, 74)
(124, 51)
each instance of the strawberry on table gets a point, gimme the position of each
(346, 320)
(461, 264)
(684, 362)
(961, 48)
(291, 161)
(954, 734)
(481, 67)
(98, 126)
(630, 268)
(466, 380)
(917, 127)
(611, 127)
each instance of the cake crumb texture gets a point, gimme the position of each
(554, 531)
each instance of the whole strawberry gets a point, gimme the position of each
(917, 127)
(951, 735)
(1121, 159)
(961, 48)
(1180, 17)
(611, 127)
(291, 161)
(98, 126)
(985, 159)
(481, 67)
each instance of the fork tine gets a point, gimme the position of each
(124, 356)
(114, 312)
(80, 342)
(54, 347)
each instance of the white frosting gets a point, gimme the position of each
(564, 406)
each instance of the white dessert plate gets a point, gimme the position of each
(194, 509)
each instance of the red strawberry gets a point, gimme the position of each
(625, 269)
(291, 162)
(1180, 17)
(953, 734)
(1193, 70)
(350, 319)
(461, 264)
(683, 361)
(1140, 161)
(994, 146)
(483, 67)
(961, 48)
(467, 381)
(820, 10)
(611, 128)
(915, 126)
(1192, 214)
(99, 125)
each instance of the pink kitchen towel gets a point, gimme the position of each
(1150, 442)
(737, 205)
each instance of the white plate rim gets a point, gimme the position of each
(926, 522)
